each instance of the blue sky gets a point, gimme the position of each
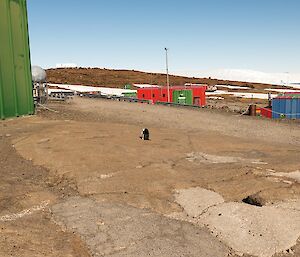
(201, 35)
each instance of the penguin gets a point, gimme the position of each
(145, 135)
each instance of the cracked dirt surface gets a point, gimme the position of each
(195, 201)
(91, 150)
(259, 231)
(118, 230)
(26, 191)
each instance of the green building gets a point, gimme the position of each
(15, 74)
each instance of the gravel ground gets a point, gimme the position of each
(74, 177)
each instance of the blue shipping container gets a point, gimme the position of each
(298, 111)
(288, 108)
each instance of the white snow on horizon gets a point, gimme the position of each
(241, 75)
(146, 85)
(241, 94)
(66, 65)
(250, 76)
(281, 90)
(86, 89)
(232, 87)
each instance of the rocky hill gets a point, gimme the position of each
(118, 78)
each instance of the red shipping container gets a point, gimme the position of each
(161, 94)
(266, 112)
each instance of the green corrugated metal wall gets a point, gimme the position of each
(15, 73)
(187, 95)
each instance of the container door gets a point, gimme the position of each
(176, 94)
(196, 101)
(293, 108)
(276, 108)
(189, 96)
(298, 108)
(281, 108)
(288, 108)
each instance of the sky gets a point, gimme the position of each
(201, 35)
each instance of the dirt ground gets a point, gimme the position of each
(80, 182)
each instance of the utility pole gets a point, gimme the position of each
(168, 79)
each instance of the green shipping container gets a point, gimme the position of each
(15, 73)
(183, 97)
(132, 94)
(127, 86)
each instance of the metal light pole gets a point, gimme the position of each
(167, 69)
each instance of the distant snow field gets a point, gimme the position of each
(250, 76)
(282, 90)
(232, 87)
(102, 90)
(145, 85)
(241, 94)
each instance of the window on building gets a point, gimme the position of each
(143, 95)
(164, 95)
(153, 95)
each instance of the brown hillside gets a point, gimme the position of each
(118, 78)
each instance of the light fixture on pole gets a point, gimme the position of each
(167, 70)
